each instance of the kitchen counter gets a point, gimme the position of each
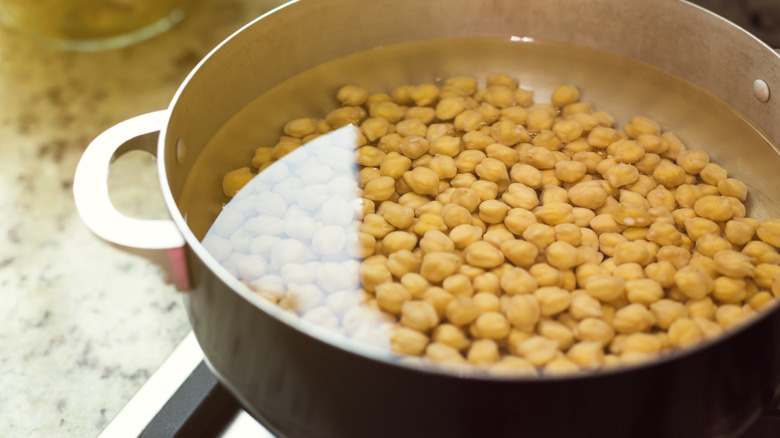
(83, 325)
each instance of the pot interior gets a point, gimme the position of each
(222, 134)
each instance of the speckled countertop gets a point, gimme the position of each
(83, 325)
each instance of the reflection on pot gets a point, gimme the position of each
(291, 235)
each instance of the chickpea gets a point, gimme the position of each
(622, 174)
(419, 315)
(235, 180)
(631, 252)
(523, 311)
(538, 350)
(570, 171)
(761, 252)
(554, 213)
(669, 174)
(693, 281)
(408, 341)
(605, 287)
(729, 315)
(483, 352)
(491, 325)
(477, 140)
(627, 151)
(452, 336)
(379, 189)
(589, 355)
(462, 311)
(713, 174)
(540, 235)
(438, 298)
(411, 127)
(562, 255)
(399, 216)
(492, 169)
(459, 284)
(445, 145)
(422, 180)
(556, 331)
(507, 132)
(540, 119)
(565, 95)
(483, 255)
(768, 230)
(552, 299)
(716, 208)
(376, 226)
(436, 266)
(526, 175)
(503, 153)
(764, 275)
(454, 215)
(414, 146)
(584, 306)
(697, 227)
(520, 252)
(399, 240)
(594, 330)
(633, 318)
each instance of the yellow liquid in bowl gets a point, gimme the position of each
(91, 24)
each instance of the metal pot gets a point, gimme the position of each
(300, 383)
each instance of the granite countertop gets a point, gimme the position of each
(83, 325)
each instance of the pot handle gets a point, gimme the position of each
(156, 240)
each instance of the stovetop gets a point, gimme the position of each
(183, 398)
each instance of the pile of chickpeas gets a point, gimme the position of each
(539, 238)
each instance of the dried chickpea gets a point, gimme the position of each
(716, 208)
(391, 296)
(418, 315)
(483, 255)
(594, 330)
(713, 174)
(491, 325)
(526, 175)
(761, 252)
(556, 331)
(605, 287)
(452, 336)
(458, 285)
(235, 180)
(539, 234)
(493, 211)
(436, 266)
(520, 196)
(538, 350)
(462, 311)
(633, 318)
(552, 299)
(570, 171)
(768, 230)
(408, 341)
(693, 281)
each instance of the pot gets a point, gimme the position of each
(668, 60)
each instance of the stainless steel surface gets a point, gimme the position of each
(156, 240)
